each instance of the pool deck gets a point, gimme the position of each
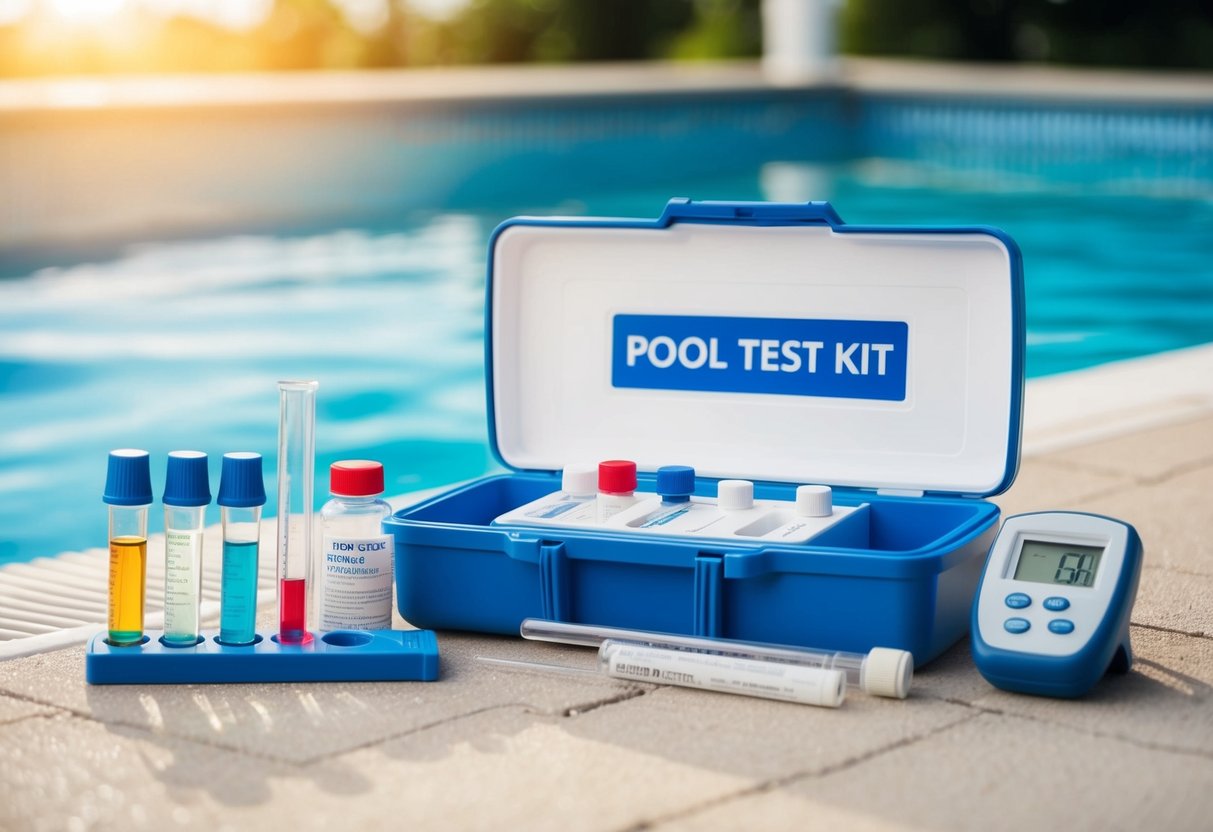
(489, 749)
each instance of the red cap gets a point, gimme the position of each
(617, 476)
(356, 478)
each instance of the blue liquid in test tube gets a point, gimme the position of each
(241, 495)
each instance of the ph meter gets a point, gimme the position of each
(1051, 614)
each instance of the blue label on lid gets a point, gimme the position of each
(786, 356)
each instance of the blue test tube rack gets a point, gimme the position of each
(335, 656)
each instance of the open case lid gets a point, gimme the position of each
(759, 340)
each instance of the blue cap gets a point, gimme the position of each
(675, 480)
(187, 482)
(128, 481)
(241, 485)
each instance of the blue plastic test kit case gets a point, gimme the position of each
(769, 342)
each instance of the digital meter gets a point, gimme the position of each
(1051, 615)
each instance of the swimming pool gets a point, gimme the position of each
(177, 342)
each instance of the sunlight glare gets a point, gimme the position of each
(85, 11)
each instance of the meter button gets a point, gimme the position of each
(1019, 625)
(1017, 601)
(1055, 603)
(1061, 626)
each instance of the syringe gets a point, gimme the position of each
(706, 671)
(883, 671)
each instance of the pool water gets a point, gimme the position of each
(178, 344)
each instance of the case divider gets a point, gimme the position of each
(709, 584)
(553, 581)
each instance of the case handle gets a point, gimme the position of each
(681, 209)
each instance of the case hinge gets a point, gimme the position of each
(899, 492)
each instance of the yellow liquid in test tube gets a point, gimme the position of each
(128, 569)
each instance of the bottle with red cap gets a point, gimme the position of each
(355, 581)
(616, 487)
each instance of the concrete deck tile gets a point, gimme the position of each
(513, 770)
(505, 769)
(1042, 484)
(1173, 517)
(952, 677)
(994, 772)
(1147, 455)
(12, 709)
(1166, 701)
(64, 772)
(300, 722)
(760, 739)
(1175, 601)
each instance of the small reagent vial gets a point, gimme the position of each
(675, 483)
(241, 496)
(128, 492)
(356, 570)
(578, 486)
(187, 493)
(616, 487)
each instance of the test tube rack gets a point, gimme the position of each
(335, 656)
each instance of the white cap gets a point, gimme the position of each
(580, 479)
(734, 495)
(814, 501)
(887, 672)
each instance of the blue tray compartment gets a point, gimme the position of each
(900, 573)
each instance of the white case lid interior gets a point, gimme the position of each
(557, 288)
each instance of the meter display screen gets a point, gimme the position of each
(1058, 563)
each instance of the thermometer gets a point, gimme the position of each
(1051, 615)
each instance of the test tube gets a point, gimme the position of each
(883, 671)
(241, 496)
(803, 685)
(128, 492)
(187, 493)
(799, 683)
(296, 478)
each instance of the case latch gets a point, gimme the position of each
(709, 588)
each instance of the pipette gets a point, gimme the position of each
(706, 671)
(882, 671)
(296, 474)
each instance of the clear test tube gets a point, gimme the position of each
(804, 685)
(882, 671)
(128, 492)
(187, 493)
(296, 479)
(241, 496)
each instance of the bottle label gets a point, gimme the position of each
(357, 583)
(182, 584)
(611, 504)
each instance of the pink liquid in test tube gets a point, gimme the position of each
(296, 477)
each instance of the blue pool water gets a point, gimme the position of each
(172, 344)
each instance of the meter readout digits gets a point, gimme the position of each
(1057, 563)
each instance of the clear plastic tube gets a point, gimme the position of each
(636, 662)
(182, 573)
(127, 573)
(881, 672)
(238, 588)
(296, 479)
(804, 685)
